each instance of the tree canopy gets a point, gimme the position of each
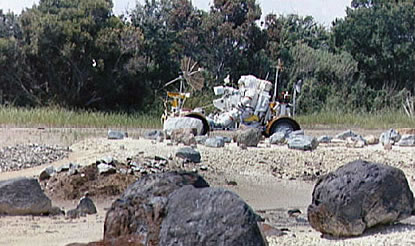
(78, 54)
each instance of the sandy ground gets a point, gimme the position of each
(269, 195)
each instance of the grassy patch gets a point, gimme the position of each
(384, 120)
(58, 117)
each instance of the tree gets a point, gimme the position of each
(59, 42)
(170, 32)
(235, 39)
(12, 61)
(380, 36)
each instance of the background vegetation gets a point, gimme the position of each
(77, 55)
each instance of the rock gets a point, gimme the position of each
(248, 137)
(117, 135)
(215, 142)
(324, 139)
(106, 169)
(303, 143)
(201, 139)
(295, 133)
(106, 160)
(56, 211)
(73, 214)
(390, 137)
(270, 231)
(188, 154)
(210, 216)
(153, 134)
(182, 122)
(357, 196)
(371, 140)
(23, 196)
(86, 206)
(344, 135)
(67, 167)
(227, 140)
(47, 173)
(407, 141)
(278, 138)
(203, 168)
(294, 212)
(355, 142)
(185, 136)
(143, 206)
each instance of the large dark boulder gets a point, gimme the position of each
(141, 209)
(211, 216)
(357, 196)
(23, 196)
(180, 209)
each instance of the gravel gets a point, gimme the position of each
(13, 158)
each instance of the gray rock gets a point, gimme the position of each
(407, 141)
(182, 122)
(86, 206)
(106, 160)
(346, 134)
(188, 154)
(23, 196)
(355, 142)
(73, 214)
(201, 139)
(47, 173)
(153, 134)
(106, 169)
(278, 138)
(117, 135)
(295, 133)
(248, 137)
(215, 142)
(185, 136)
(56, 211)
(227, 140)
(357, 196)
(210, 216)
(324, 139)
(142, 208)
(303, 143)
(389, 137)
(67, 167)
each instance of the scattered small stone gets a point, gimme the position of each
(117, 135)
(47, 173)
(344, 135)
(294, 212)
(215, 142)
(324, 139)
(231, 182)
(106, 169)
(188, 154)
(204, 168)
